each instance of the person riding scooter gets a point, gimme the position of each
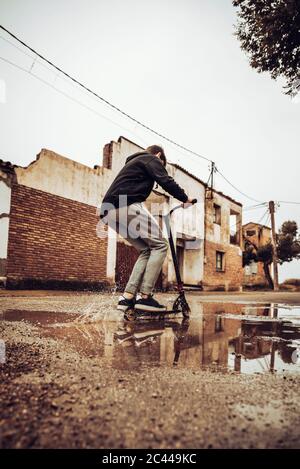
(122, 209)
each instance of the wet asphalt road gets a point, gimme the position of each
(54, 396)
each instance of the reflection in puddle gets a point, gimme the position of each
(224, 336)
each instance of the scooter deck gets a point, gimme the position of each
(133, 314)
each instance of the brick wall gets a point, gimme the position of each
(2, 267)
(257, 279)
(53, 242)
(107, 155)
(232, 276)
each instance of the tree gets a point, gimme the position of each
(269, 32)
(288, 242)
(265, 255)
(287, 248)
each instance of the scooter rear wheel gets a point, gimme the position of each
(133, 315)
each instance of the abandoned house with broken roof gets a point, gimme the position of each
(257, 235)
(49, 217)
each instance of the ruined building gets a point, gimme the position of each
(48, 227)
(258, 235)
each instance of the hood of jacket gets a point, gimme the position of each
(139, 153)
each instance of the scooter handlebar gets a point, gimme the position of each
(194, 201)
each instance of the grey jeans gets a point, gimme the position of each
(136, 224)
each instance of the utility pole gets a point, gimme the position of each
(275, 260)
(210, 182)
(212, 176)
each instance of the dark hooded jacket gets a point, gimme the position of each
(136, 180)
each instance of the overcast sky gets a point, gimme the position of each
(174, 65)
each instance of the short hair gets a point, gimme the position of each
(154, 149)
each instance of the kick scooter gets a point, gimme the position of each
(180, 305)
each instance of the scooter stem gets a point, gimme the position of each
(172, 246)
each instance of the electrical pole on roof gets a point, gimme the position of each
(212, 176)
(210, 182)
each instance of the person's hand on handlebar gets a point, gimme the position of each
(189, 202)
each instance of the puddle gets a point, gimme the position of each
(38, 317)
(245, 338)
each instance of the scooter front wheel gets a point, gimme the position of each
(180, 304)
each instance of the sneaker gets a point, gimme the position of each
(124, 304)
(149, 304)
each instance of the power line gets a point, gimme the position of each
(234, 187)
(268, 219)
(49, 69)
(45, 66)
(111, 105)
(116, 108)
(77, 101)
(24, 53)
(288, 202)
(70, 97)
(254, 207)
(241, 222)
(259, 222)
(265, 215)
